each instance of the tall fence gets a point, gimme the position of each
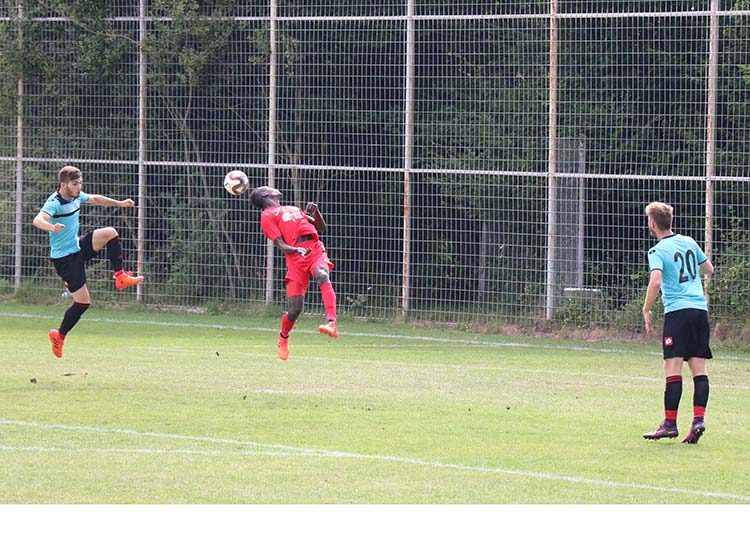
(475, 161)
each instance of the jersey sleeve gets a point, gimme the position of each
(699, 254)
(50, 206)
(654, 260)
(269, 226)
(83, 197)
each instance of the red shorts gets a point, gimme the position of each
(299, 269)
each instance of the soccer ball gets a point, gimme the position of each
(236, 182)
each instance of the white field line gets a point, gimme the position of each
(188, 452)
(472, 342)
(285, 450)
(404, 337)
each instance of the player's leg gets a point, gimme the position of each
(672, 395)
(72, 270)
(322, 277)
(295, 292)
(700, 399)
(699, 352)
(109, 237)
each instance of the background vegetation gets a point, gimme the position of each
(631, 90)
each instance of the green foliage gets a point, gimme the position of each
(180, 50)
(729, 289)
(6, 287)
(32, 292)
(582, 310)
(628, 88)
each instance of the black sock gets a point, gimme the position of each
(672, 395)
(72, 315)
(114, 253)
(700, 395)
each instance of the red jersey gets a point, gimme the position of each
(287, 222)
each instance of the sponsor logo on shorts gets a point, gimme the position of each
(667, 341)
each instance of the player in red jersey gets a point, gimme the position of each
(296, 233)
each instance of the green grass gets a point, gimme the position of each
(185, 408)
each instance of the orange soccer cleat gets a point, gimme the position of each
(57, 341)
(329, 329)
(126, 279)
(283, 349)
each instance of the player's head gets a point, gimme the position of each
(71, 181)
(659, 216)
(265, 197)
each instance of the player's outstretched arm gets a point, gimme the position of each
(315, 217)
(101, 200)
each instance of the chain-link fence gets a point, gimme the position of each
(475, 160)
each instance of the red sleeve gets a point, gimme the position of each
(269, 225)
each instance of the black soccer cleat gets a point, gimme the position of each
(696, 431)
(667, 430)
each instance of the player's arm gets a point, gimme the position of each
(315, 217)
(706, 268)
(289, 249)
(652, 293)
(101, 200)
(41, 221)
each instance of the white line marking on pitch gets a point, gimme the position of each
(9, 448)
(296, 450)
(472, 342)
(446, 340)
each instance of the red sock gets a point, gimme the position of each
(119, 272)
(699, 411)
(286, 326)
(329, 300)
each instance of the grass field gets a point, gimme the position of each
(181, 408)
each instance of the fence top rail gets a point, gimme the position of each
(404, 17)
(442, 171)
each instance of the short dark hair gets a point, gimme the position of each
(662, 214)
(68, 173)
(259, 195)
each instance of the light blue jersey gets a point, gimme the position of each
(678, 258)
(66, 212)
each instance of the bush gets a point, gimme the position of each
(729, 289)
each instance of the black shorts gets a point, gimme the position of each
(72, 268)
(686, 334)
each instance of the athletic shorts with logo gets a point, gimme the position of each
(72, 268)
(301, 268)
(686, 334)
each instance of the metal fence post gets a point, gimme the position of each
(408, 143)
(713, 70)
(552, 165)
(142, 92)
(272, 76)
(18, 257)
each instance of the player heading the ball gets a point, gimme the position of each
(297, 234)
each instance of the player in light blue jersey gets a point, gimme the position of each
(677, 264)
(60, 217)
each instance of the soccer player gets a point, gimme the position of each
(296, 233)
(59, 216)
(677, 263)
